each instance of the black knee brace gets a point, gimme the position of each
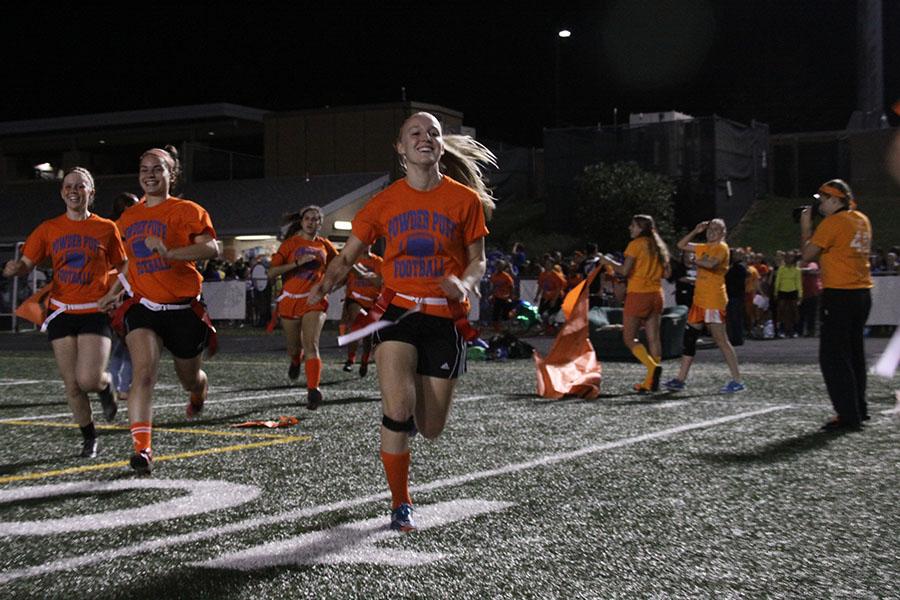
(398, 426)
(690, 341)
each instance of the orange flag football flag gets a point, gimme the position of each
(34, 308)
(571, 367)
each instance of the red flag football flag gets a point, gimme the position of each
(571, 367)
(34, 308)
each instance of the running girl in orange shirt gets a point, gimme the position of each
(433, 261)
(163, 237)
(301, 260)
(363, 287)
(83, 248)
(710, 300)
(646, 263)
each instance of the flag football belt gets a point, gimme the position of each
(290, 295)
(359, 296)
(368, 322)
(118, 316)
(61, 308)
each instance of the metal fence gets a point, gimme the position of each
(15, 290)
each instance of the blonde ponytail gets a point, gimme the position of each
(463, 160)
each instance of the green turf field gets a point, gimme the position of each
(672, 495)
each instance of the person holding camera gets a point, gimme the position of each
(842, 241)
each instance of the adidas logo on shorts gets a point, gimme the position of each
(445, 367)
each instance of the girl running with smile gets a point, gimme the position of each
(434, 224)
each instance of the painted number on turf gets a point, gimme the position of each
(201, 497)
(353, 542)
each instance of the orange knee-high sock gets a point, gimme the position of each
(396, 468)
(295, 358)
(351, 355)
(313, 372)
(640, 353)
(140, 436)
(365, 358)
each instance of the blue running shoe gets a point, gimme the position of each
(401, 518)
(732, 386)
(674, 385)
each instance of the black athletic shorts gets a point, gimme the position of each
(65, 324)
(183, 333)
(441, 348)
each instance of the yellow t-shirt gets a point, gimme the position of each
(845, 238)
(709, 291)
(647, 272)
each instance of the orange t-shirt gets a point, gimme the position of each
(363, 290)
(82, 252)
(752, 280)
(647, 272)
(552, 284)
(176, 222)
(845, 238)
(709, 291)
(302, 278)
(427, 234)
(502, 283)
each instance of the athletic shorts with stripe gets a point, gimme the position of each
(699, 314)
(441, 349)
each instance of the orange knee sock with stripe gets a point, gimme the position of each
(313, 372)
(396, 469)
(141, 433)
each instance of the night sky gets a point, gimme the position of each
(788, 63)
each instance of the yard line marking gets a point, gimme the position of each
(473, 398)
(233, 433)
(75, 562)
(164, 457)
(171, 405)
(19, 381)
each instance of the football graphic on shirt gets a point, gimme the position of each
(312, 265)
(75, 260)
(421, 245)
(140, 249)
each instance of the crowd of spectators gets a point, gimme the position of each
(770, 296)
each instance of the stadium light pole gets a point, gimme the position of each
(561, 35)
